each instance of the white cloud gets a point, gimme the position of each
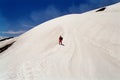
(12, 32)
(43, 15)
(29, 26)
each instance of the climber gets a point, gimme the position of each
(60, 40)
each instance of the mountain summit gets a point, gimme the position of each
(91, 49)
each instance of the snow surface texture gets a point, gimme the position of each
(91, 49)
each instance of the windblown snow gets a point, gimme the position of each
(91, 49)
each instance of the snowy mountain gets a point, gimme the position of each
(1, 37)
(91, 49)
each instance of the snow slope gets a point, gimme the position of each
(91, 49)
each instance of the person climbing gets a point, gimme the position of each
(60, 40)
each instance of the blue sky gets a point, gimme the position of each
(18, 16)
